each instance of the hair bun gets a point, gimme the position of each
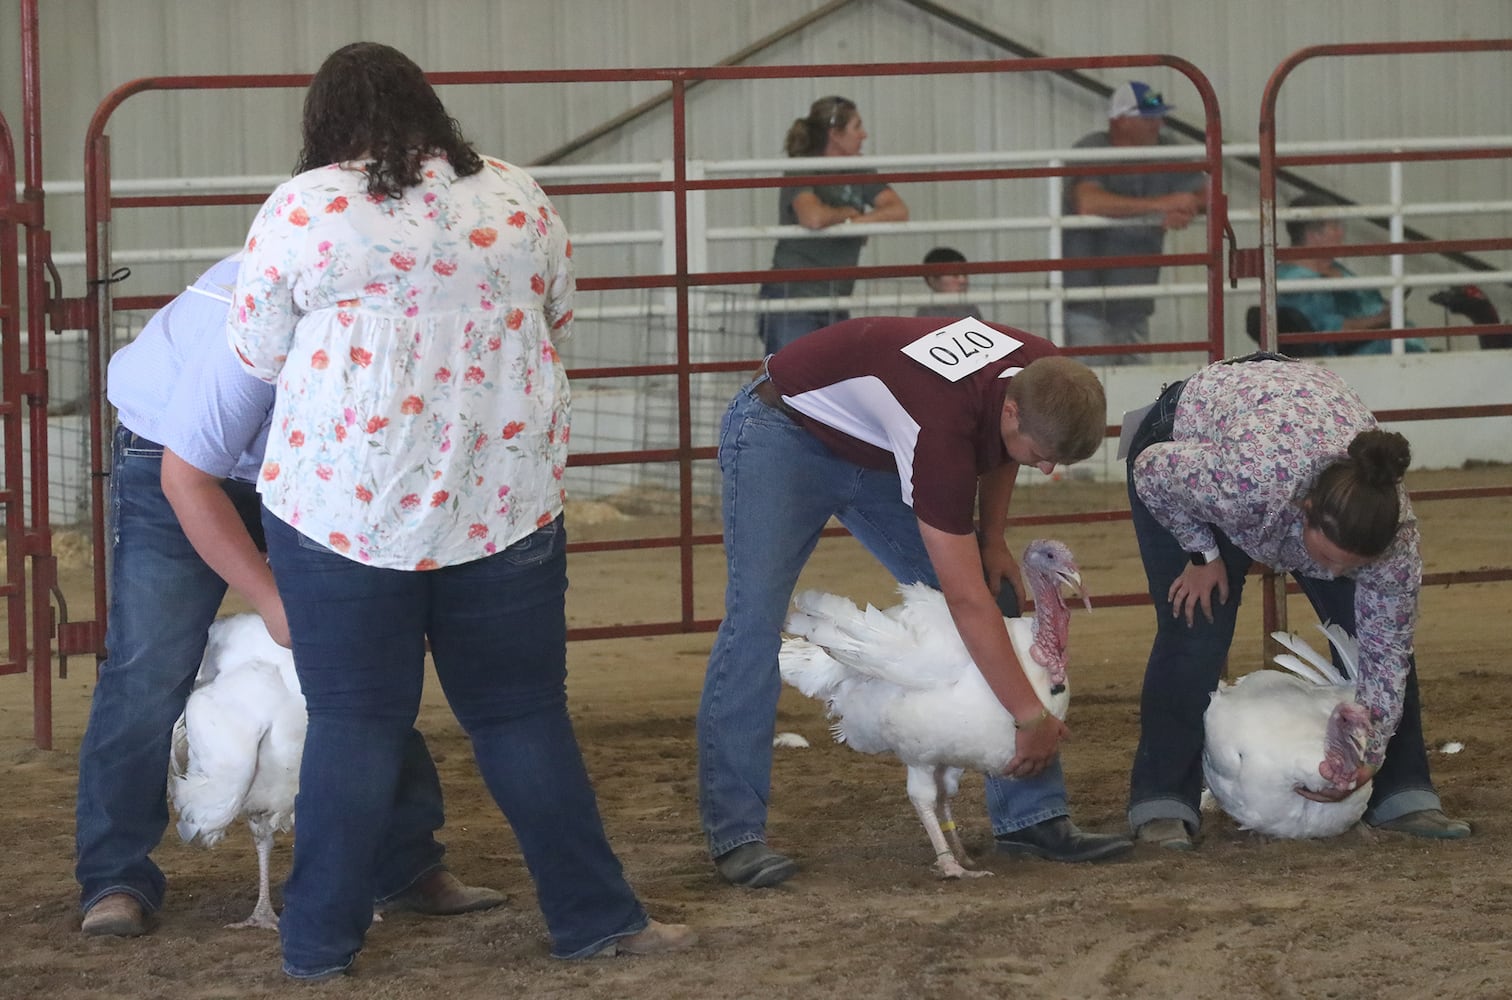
(1382, 457)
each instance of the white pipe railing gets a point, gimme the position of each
(728, 304)
(1054, 223)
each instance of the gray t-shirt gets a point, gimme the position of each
(952, 311)
(828, 251)
(1121, 241)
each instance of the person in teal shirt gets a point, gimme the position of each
(1328, 310)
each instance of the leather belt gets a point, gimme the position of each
(770, 395)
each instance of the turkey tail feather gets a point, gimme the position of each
(1346, 645)
(178, 758)
(1308, 663)
(810, 669)
(867, 642)
(1307, 671)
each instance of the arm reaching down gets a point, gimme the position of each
(214, 528)
(959, 568)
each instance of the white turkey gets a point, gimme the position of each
(900, 681)
(1270, 732)
(237, 747)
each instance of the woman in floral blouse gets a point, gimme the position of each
(407, 296)
(1277, 461)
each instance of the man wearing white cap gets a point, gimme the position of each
(1135, 116)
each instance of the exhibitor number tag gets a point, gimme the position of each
(962, 348)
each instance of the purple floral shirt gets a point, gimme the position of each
(422, 412)
(1248, 442)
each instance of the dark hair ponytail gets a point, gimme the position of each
(1355, 501)
(808, 136)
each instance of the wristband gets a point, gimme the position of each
(1019, 724)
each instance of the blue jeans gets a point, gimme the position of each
(779, 329)
(1088, 329)
(497, 628)
(163, 599)
(1186, 662)
(781, 485)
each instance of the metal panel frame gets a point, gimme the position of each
(100, 204)
(1271, 164)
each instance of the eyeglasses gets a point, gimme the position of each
(1152, 100)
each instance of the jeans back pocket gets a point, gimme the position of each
(538, 546)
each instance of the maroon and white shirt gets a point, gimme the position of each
(911, 394)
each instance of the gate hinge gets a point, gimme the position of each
(70, 314)
(1245, 262)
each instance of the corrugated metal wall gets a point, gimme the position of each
(92, 46)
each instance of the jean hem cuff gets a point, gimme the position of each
(1399, 804)
(1153, 809)
(726, 846)
(1017, 823)
(603, 942)
(318, 974)
(148, 906)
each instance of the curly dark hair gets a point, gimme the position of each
(370, 102)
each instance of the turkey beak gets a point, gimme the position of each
(1071, 578)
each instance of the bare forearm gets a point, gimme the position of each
(994, 493)
(889, 207)
(1176, 208)
(958, 566)
(980, 623)
(812, 213)
(1093, 199)
(1377, 321)
(215, 529)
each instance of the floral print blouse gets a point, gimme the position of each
(1248, 441)
(422, 411)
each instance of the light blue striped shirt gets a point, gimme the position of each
(179, 384)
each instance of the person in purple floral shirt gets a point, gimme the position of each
(406, 295)
(1274, 460)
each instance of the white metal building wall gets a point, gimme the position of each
(90, 47)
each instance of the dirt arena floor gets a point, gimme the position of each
(1363, 915)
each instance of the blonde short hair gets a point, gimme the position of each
(1062, 406)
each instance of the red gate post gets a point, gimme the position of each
(12, 490)
(1270, 165)
(37, 538)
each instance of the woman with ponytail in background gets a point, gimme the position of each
(1271, 460)
(832, 128)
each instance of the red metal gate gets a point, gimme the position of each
(94, 310)
(1261, 262)
(23, 398)
(12, 412)
(101, 203)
